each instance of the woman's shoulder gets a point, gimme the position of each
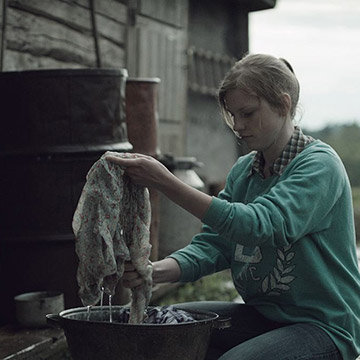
(318, 155)
(244, 161)
(242, 166)
(319, 150)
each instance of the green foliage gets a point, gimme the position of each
(356, 197)
(356, 201)
(345, 139)
(218, 287)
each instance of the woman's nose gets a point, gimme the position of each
(238, 125)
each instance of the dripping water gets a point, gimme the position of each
(110, 308)
(102, 297)
(88, 312)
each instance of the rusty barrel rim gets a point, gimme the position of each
(154, 80)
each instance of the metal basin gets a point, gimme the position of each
(100, 339)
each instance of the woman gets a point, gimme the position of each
(283, 224)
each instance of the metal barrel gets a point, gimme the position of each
(142, 114)
(55, 125)
(142, 121)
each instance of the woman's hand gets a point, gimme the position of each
(144, 170)
(131, 278)
(166, 270)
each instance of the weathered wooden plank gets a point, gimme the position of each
(171, 12)
(256, 5)
(69, 14)
(111, 30)
(15, 61)
(43, 37)
(18, 343)
(112, 55)
(112, 9)
(1, 32)
(158, 50)
(161, 53)
(1, 13)
(83, 3)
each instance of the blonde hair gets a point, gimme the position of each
(264, 76)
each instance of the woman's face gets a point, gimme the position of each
(255, 122)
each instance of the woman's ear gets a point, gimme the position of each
(287, 104)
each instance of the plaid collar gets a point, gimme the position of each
(296, 144)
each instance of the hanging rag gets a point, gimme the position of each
(112, 225)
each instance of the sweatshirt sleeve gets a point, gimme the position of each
(207, 253)
(301, 202)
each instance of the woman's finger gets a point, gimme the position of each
(132, 279)
(122, 161)
(131, 275)
(133, 283)
(129, 266)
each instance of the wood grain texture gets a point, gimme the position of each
(59, 34)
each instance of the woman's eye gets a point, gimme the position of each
(247, 114)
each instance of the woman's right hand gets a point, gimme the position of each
(166, 270)
(131, 278)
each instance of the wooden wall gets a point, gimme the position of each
(157, 41)
(218, 37)
(148, 37)
(61, 34)
(1, 30)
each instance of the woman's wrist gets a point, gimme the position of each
(166, 270)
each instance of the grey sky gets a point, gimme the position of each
(321, 39)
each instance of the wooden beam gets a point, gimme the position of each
(3, 9)
(95, 33)
(256, 5)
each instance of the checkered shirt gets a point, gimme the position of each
(296, 144)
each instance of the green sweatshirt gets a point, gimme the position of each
(290, 243)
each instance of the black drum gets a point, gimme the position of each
(54, 125)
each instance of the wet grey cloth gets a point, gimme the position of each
(111, 225)
(157, 315)
(167, 315)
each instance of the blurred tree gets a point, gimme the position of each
(345, 139)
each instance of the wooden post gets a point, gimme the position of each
(95, 33)
(3, 6)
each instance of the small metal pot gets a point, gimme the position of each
(31, 308)
(99, 339)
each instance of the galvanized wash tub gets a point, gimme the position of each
(100, 339)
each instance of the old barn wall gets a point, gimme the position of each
(157, 41)
(148, 38)
(188, 44)
(218, 36)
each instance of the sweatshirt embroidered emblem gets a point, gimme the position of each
(254, 257)
(280, 278)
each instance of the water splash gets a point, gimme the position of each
(102, 297)
(88, 312)
(110, 308)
